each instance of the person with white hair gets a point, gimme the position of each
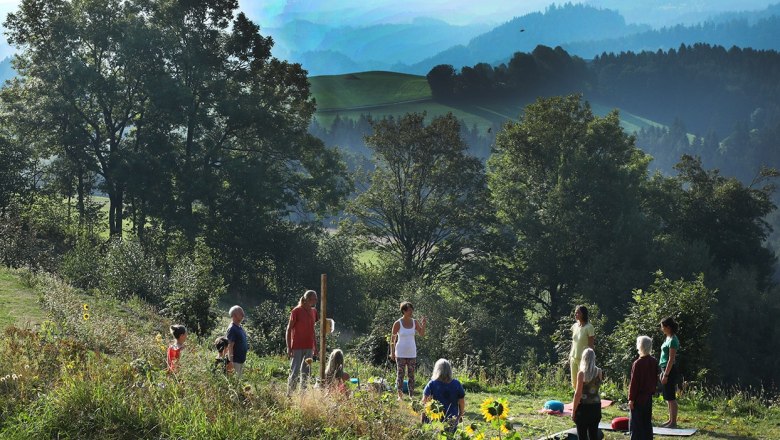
(586, 407)
(641, 389)
(448, 391)
(237, 340)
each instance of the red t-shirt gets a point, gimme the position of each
(174, 352)
(303, 327)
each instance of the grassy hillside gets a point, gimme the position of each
(391, 94)
(102, 376)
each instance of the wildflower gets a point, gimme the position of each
(158, 338)
(493, 409)
(471, 429)
(434, 409)
(15, 377)
(86, 317)
(480, 436)
(85, 306)
(309, 361)
(506, 427)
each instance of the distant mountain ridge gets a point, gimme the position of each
(555, 26)
(327, 50)
(576, 28)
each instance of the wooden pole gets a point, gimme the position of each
(323, 317)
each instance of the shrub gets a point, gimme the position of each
(194, 291)
(127, 272)
(689, 302)
(268, 324)
(81, 265)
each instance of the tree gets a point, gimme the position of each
(422, 205)
(566, 186)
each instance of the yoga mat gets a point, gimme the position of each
(567, 408)
(572, 433)
(677, 432)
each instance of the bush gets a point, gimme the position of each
(268, 324)
(81, 265)
(128, 272)
(193, 296)
(689, 302)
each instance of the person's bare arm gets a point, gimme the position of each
(577, 394)
(288, 337)
(394, 339)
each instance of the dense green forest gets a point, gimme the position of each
(200, 140)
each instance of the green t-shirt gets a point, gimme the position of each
(579, 339)
(670, 342)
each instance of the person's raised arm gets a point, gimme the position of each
(421, 326)
(394, 339)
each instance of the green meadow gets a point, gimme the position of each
(382, 94)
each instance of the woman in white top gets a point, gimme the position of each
(403, 349)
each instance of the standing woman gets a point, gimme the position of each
(582, 336)
(403, 348)
(669, 371)
(586, 406)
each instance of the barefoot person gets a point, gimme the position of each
(640, 391)
(403, 348)
(582, 336)
(586, 406)
(301, 343)
(669, 372)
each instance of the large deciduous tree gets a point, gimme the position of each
(423, 204)
(566, 187)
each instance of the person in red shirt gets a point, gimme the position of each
(301, 344)
(641, 390)
(179, 333)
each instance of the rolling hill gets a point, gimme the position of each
(390, 94)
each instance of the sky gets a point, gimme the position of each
(274, 13)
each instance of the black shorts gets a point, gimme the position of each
(669, 390)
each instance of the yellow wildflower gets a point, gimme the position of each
(480, 436)
(506, 427)
(86, 317)
(85, 306)
(471, 428)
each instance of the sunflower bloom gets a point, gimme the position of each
(85, 306)
(434, 410)
(471, 429)
(506, 427)
(480, 436)
(86, 317)
(494, 409)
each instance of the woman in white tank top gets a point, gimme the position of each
(403, 348)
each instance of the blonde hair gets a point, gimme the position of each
(644, 344)
(306, 295)
(588, 365)
(335, 368)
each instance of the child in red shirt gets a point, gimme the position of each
(179, 333)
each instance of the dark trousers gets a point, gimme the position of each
(588, 418)
(641, 421)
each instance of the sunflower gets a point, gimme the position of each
(480, 436)
(86, 317)
(85, 306)
(493, 409)
(471, 429)
(506, 427)
(434, 409)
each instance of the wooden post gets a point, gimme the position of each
(323, 317)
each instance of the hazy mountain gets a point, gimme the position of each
(763, 34)
(556, 26)
(323, 50)
(660, 13)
